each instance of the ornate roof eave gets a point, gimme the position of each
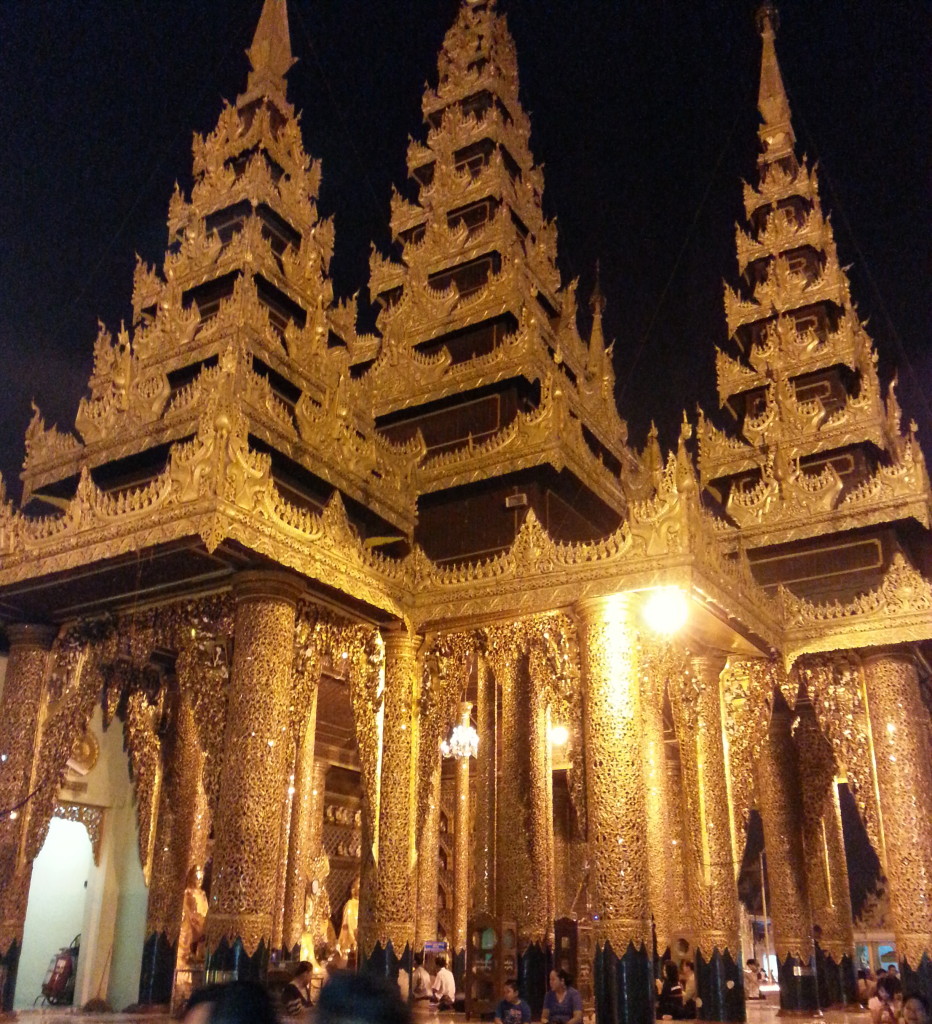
(898, 611)
(781, 184)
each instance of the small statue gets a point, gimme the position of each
(347, 942)
(193, 915)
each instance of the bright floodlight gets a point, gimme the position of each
(665, 610)
(559, 734)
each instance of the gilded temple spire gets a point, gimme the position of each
(776, 133)
(270, 55)
(800, 372)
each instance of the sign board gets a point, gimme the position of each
(437, 946)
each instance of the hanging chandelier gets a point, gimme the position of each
(463, 742)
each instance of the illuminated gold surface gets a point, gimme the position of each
(899, 725)
(781, 811)
(461, 837)
(248, 821)
(618, 847)
(486, 774)
(394, 908)
(823, 841)
(710, 857)
(21, 713)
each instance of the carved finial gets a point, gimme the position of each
(777, 136)
(597, 299)
(270, 54)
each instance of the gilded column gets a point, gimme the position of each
(172, 863)
(483, 900)
(682, 921)
(284, 843)
(712, 875)
(663, 895)
(826, 866)
(394, 919)
(427, 864)
(22, 712)
(899, 723)
(781, 812)
(521, 878)
(301, 835)
(254, 774)
(513, 870)
(615, 776)
(461, 841)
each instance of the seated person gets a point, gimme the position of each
(444, 987)
(296, 995)
(420, 980)
(670, 1002)
(688, 982)
(512, 1009)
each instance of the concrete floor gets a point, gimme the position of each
(763, 1012)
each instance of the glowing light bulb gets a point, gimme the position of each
(665, 610)
(559, 734)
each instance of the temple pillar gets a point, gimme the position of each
(520, 884)
(826, 866)
(624, 987)
(712, 878)
(172, 862)
(781, 812)
(22, 713)
(899, 728)
(427, 862)
(483, 899)
(394, 907)
(305, 806)
(254, 775)
(681, 926)
(663, 895)
(284, 843)
(461, 842)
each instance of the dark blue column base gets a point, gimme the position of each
(918, 978)
(384, 962)
(534, 963)
(837, 979)
(799, 987)
(459, 970)
(720, 986)
(232, 958)
(158, 969)
(9, 961)
(624, 986)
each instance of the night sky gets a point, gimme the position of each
(643, 114)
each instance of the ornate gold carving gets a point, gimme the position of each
(92, 818)
(607, 641)
(248, 818)
(902, 755)
(780, 808)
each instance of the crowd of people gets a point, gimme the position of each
(349, 998)
(881, 992)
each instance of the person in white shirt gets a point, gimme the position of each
(444, 985)
(421, 984)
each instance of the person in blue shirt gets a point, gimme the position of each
(512, 1009)
(563, 1003)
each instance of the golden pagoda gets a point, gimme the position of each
(402, 642)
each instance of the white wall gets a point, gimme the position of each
(56, 904)
(113, 896)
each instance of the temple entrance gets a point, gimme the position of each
(87, 880)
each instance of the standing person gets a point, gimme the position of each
(296, 995)
(512, 1009)
(420, 979)
(752, 974)
(562, 1004)
(444, 985)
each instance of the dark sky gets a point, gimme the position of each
(643, 114)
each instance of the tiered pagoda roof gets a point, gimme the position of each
(819, 447)
(472, 308)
